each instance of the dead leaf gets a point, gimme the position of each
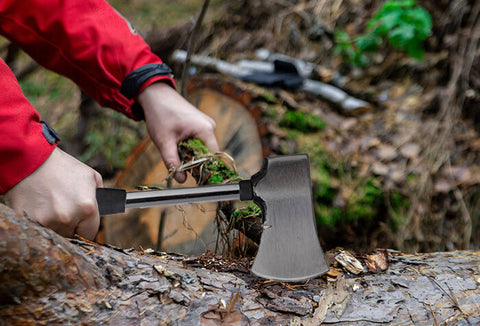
(334, 272)
(218, 316)
(288, 99)
(348, 124)
(377, 262)
(396, 172)
(379, 168)
(349, 262)
(410, 150)
(443, 186)
(369, 142)
(465, 175)
(386, 152)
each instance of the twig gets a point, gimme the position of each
(191, 44)
(161, 224)
(433, 314)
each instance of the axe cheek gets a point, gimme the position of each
(289, 247)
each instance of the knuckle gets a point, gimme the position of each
(64, 220)
(209, 127)
(87, 208)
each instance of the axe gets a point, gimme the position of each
(289, 248)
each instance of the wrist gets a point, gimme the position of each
(157, 95)
(137, 81)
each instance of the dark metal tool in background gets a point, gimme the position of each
(289, 248)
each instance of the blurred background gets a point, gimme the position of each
(398, 168)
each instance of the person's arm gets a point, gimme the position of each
(90, 43)
(25, 143)
(37, 178)
(84, 40)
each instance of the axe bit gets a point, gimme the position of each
(289, 247)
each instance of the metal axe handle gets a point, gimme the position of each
(113, 201)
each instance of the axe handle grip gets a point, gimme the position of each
(246, 190)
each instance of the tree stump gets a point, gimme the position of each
(47, 279)
(243, 132)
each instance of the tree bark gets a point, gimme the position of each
(45, 278)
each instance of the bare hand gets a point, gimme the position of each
(170, 119)
(60, 195)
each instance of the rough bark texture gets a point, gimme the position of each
(45, 278)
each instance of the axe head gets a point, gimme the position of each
(289, 247)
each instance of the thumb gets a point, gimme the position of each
(98, 179)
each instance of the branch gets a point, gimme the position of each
(191, 45)
(347, 103)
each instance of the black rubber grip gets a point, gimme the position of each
(111, 201)
(246, 190)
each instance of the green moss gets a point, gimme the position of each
(304, 122)
(328, 215)
(364, 202)
(268, 97)
(194, 146)
(215, 170)
(248, 211)
(339, 196)
(273, 111)
(399, 205)
(220, 172)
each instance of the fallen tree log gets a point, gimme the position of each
(47, 279)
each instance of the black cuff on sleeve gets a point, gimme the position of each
(49, 133)
(135, 79)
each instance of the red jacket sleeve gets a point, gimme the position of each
(86, 41)
(23, 147)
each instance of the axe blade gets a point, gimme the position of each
(289, 247)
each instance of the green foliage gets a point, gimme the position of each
(304, 122)
(103, 140)
(49, 89)
(362, 204)
(32, 90)
(341, 197)
(401, 23)
(345, 47)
